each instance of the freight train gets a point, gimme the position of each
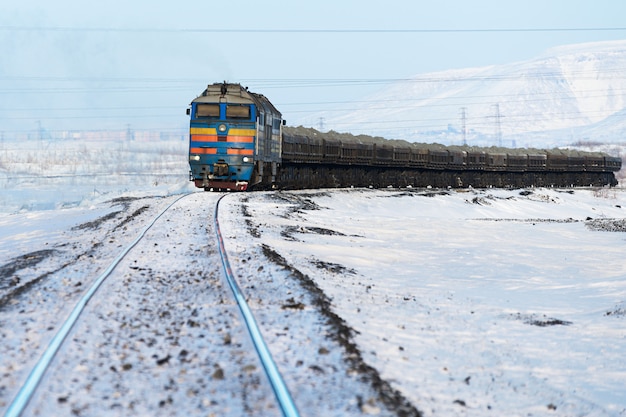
(238, 141)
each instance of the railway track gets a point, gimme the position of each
(281, 392)
(163, 334)
(19, 403)
(159, 333)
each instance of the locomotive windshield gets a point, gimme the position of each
(223, 112)
(211, 111)
(237, 111)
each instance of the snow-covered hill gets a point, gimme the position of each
(567, 94)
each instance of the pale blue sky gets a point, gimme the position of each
(141, 63)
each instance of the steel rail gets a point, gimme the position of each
(25, 393)
(281, 392)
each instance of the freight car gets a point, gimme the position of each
(238, 141)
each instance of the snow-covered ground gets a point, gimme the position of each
(48, 174)
(479, 302)
(467, 302)
(463, 301)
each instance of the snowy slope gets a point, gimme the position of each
(564, 88)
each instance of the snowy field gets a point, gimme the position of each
(468, 302)
(50, 174)
(472, 302)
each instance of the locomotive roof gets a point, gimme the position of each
(234, 93)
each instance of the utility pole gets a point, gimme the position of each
(321, 124)
(463, 126)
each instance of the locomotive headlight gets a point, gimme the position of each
(194, 157)
(222, 128)
(247, 159)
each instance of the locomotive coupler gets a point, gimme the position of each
(220, 169)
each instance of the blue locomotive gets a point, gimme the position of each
(234, 138)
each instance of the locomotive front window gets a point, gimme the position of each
(208, 110)
(237, 112)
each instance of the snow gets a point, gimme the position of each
(465, 302)
(49, 174)
(470, 302)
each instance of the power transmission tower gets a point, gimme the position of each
(463, 126)
(129, 133)
(321, 124)
(498, 126)
(39, 130)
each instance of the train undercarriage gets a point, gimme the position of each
(303, 176)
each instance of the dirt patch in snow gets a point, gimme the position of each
(333, 267)
(299, 202)
(618, 311)
(344, 335)
(606, 225)
(22, 273)
(131, 217)
(289, 232)
(8, 270)
(415, 193)
(126, 204)
(539, 320)
(533, 221)
(94, 224)
(12, 285)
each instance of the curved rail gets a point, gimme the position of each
(283, 396)
(25, 393)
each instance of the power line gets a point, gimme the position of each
(52, 113)
(476, 120)
(450, 76)
(613, 73)
(453, 101)
(106, 112)
(135, 83)
(304, 30)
